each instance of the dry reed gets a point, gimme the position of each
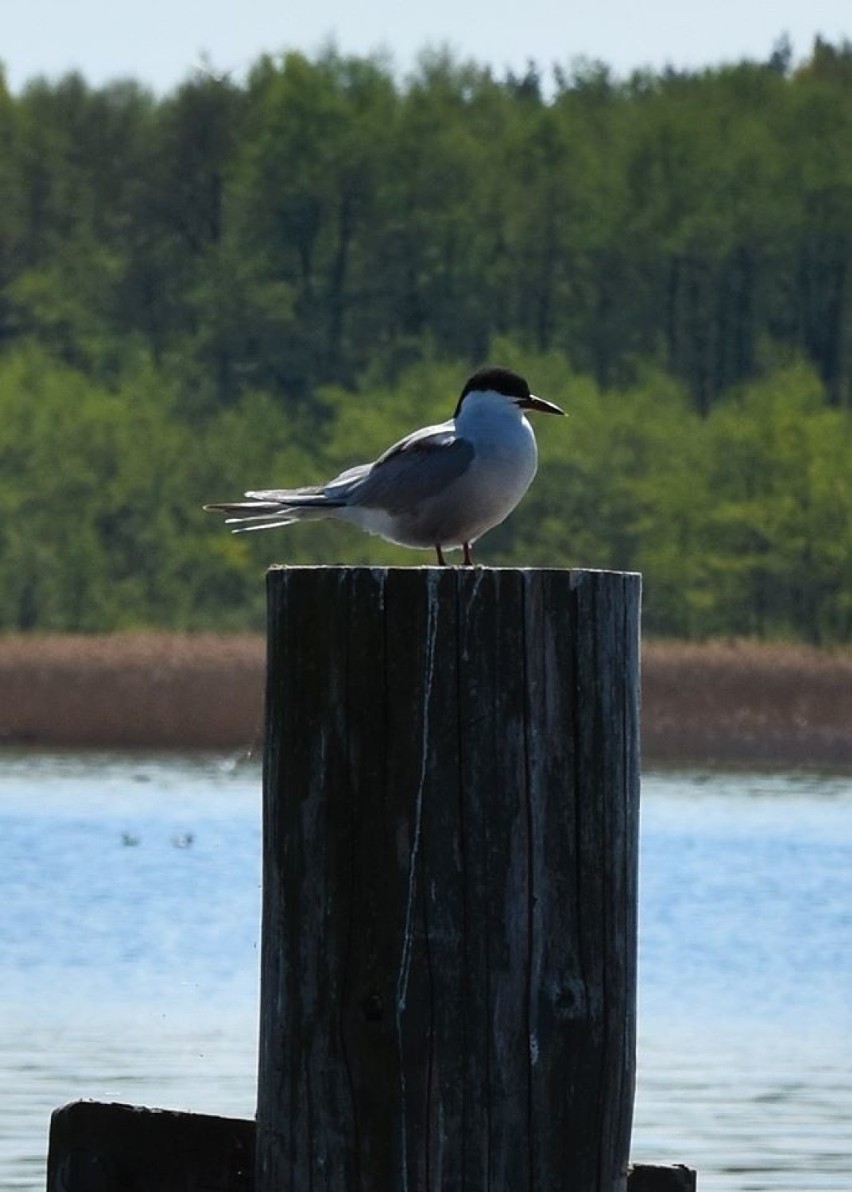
(720, 702)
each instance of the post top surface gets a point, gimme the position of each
(577, 572)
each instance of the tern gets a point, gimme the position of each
(440, 488)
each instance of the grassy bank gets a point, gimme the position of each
(725, 703)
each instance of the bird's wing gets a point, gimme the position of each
(333, 493)
(416, 468)
(412, 470)
(341, 484)
(277, 495)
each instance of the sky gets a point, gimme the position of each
(161, 42)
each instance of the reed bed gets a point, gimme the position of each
(725, 703)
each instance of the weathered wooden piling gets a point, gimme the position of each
(448, 982)
(97, 1147)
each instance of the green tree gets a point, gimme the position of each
(779, 545)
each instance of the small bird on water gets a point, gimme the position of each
(439, 488)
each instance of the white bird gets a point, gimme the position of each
(439, 488)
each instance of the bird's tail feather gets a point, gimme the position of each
(264, 525)
(267, 514)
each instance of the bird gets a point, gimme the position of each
(441, 487)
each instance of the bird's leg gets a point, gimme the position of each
(466, 559)
(442, 562)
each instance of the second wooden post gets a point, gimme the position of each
(450, 850)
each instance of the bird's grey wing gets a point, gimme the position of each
(282, 494)
(341, 484)
(413, 470)
(416, 468)
(314, 493)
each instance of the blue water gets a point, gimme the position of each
(130, 895)
(745, 992)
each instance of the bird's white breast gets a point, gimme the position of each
(504, 462)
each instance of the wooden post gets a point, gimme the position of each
(97, 1147)
(451, 789)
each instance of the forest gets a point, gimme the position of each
(257, 283)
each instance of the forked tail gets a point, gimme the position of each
(265, 513)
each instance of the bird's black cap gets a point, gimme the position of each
(501, 380)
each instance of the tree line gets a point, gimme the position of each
(247, 284)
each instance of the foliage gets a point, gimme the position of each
(258, 284)
(740, 522)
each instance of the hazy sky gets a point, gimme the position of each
(159, 42)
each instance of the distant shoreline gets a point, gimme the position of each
(719, 703)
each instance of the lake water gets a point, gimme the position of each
(129, 909)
